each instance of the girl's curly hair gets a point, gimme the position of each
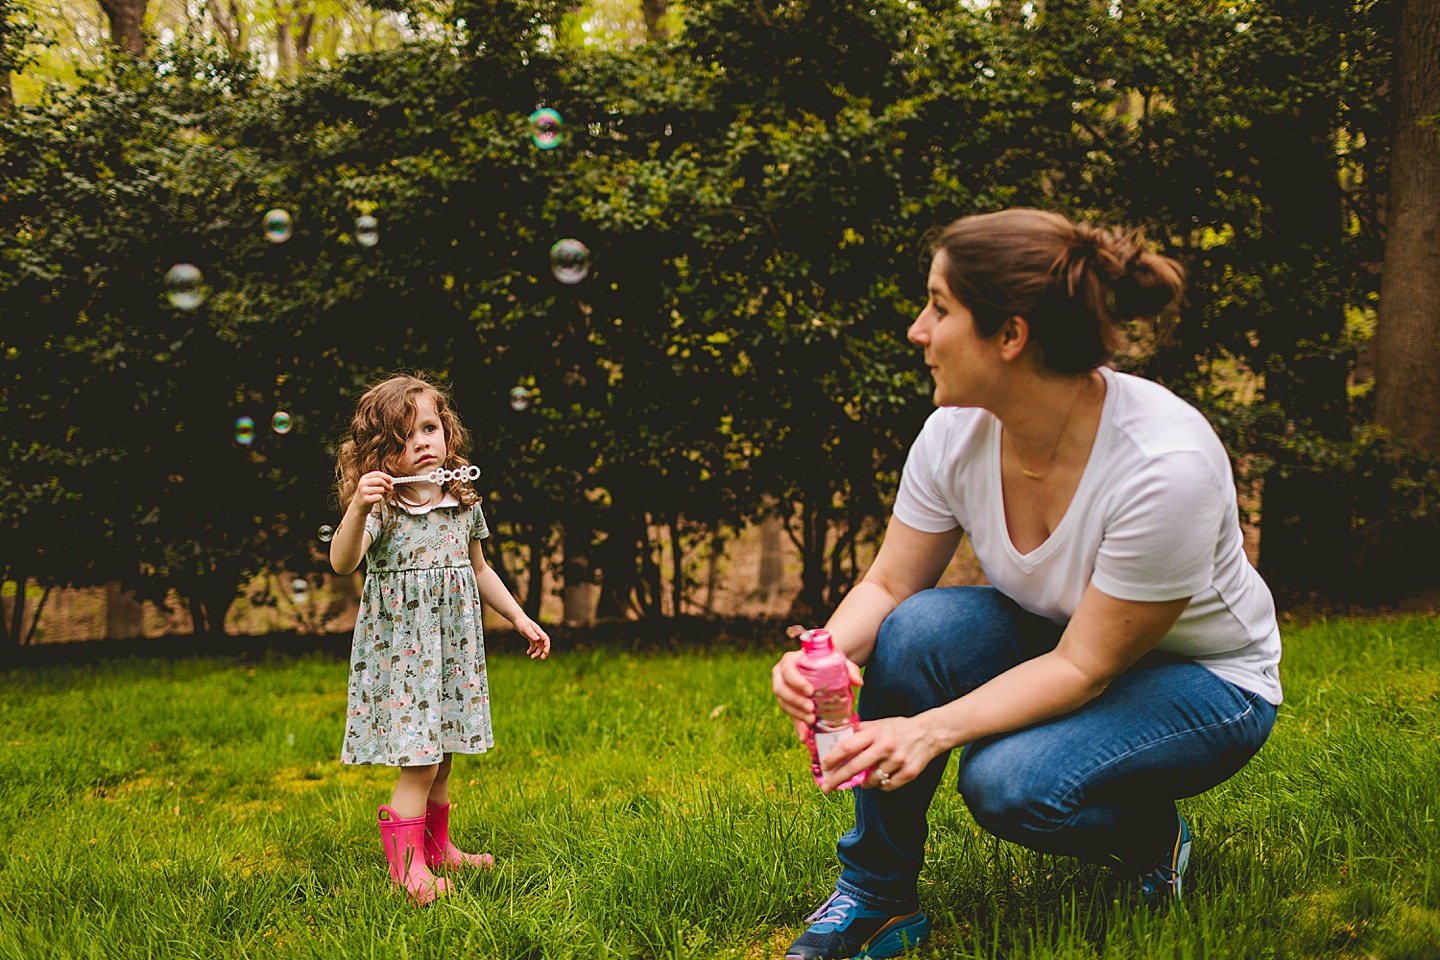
(383, 420)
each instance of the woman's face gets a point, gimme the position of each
(964, 364)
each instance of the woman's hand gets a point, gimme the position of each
(895, 750)
(538, 639)
(370, 490)
(794, 692)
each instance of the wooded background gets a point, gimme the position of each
(755, 181)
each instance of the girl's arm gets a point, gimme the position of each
(351, 539)
(909, 561)
(1104, 637)
(493, 592)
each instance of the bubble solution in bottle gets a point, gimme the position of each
(835, 719)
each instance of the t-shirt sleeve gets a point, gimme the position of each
(920, 502)
(372, 524)
(478, 529)
(1160, 542)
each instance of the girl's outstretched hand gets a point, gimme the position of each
(538, 639)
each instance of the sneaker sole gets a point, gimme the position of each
(895, 937)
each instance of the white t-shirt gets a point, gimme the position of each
(1153, 518)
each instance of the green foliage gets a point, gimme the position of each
(755, 194)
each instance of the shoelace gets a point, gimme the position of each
(1164, 873)
(833, 910)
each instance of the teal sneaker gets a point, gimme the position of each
(843, 929)
(1162, 882)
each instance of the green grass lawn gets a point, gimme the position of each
(658, 806)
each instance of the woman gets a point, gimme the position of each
(1126, 654)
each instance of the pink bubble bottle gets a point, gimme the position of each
(835, 717)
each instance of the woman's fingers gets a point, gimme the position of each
(878, 746)
(791, 690)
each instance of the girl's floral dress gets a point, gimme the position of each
(417, 666)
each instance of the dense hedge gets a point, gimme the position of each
(755, 196)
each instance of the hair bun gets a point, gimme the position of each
(1143, 283)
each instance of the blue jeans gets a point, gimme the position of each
(1099, 783)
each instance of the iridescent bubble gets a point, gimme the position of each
(244, 431)
(367, 231)
(278, 226)
(185, 286)
(519, 398)
(281, 422)
(546, 129)
(299, 590)
(325, 533)
(570, 261)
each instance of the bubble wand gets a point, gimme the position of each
(442, 475)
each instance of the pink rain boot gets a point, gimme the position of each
(405, 843)
(439, 851)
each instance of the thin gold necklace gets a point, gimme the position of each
(1049, 463)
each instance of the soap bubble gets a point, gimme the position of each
(281, 422)
(299, 590)
(519, 398)
(325, 533)
(367, 231)
(570, 261)
(185, 286)
(244, 431)
(278, 226)
(546, 129)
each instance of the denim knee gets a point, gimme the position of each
(1001, 799)
(940, 615)
(935, 646)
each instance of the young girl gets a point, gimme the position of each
(418, 691)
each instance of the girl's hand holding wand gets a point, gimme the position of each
(350, 543)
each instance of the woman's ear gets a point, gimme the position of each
(1014, 337)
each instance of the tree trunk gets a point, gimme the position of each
(124, 616)
(12, 635)
(216, 604)
(283, 61)
(535, 578)
(621, 560)
(127, 24)
(35, 620)
(677, 568)
(772, 559)
(1407, 332)
(302, 42)
(650, 602)
(579, 591)
(7, 93)
(654, 11)
(810, 602)
(712, 573)
(229, 24)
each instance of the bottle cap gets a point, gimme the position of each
(817, 640)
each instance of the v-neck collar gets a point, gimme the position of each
(1029, 561)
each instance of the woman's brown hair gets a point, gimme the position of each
(1075, 284)
(381, 427)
